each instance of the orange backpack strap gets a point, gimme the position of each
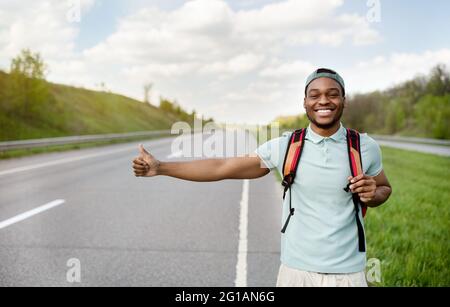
(291, 160)
(354, 155)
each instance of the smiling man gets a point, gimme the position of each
(321, 245)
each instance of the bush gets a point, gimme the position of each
(26, 91)
(433, 115)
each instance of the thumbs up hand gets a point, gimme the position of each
(145, 165)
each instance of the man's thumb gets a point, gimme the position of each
(142, 150)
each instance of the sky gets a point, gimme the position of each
(236, 61)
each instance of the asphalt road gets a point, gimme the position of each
(128, 231)
(426, 148)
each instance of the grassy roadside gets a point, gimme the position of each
(70, 111)
(410, 233)
(60, 148)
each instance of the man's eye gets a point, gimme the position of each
(314, 97)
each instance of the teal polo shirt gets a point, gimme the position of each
(322, 235)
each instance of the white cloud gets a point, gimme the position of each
(203, 17)
(364, 35)
(292, 70)
(385, 71)
(45, 27)
(287, 16)
(40, 25)
(240, 64)
(208, 31)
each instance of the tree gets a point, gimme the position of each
(173, 108)
(433, 116)
(166, 105)
(147, 89)
(27, 91)
(2, 91)
(439, 82)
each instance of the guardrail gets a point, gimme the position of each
(28, 144)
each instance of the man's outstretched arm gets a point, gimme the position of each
(145, 165)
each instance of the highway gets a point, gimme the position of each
(425, 148)
(128, 231)
(87, 205)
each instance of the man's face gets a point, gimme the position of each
(324, 103)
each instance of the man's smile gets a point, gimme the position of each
(324, 112)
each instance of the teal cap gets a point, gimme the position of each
(325, 73)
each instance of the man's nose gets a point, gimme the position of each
(323, 100)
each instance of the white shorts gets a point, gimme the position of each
(288, 277)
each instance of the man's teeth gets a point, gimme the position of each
(324, 111)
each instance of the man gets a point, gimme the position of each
(320, 245)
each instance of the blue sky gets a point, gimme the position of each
(228, 58)
(407, 25)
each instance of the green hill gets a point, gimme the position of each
(76, 111)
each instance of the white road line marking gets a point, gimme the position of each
(61, 161)
(241, 266)
(28, 214)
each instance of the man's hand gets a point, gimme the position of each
(365, 186)
(145, 165)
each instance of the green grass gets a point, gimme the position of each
(410, 233)
(77, 111)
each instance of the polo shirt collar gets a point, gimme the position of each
(339, 136)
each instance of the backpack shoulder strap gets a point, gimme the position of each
(292, 157)
(354, 152)
(290, 165)
(354, 156)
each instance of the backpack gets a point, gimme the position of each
(291, 162)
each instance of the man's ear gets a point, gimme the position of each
(304, 103)
(344, 101)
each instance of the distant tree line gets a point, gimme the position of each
(174, 109)
(419, 107)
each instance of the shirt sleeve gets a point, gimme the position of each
(272, 152)
(371, 153)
